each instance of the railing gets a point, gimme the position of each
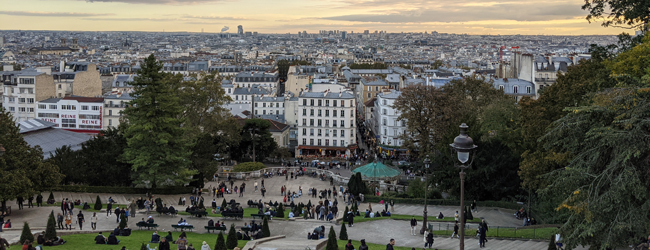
(529, 232)
(308, 173)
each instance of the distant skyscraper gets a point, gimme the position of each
(240, 30)
(366, 32)
(343, 33)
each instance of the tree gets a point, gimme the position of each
(265, 227)
(98, 204)
(331, 240)
(223, 205)
(551, 244)
(606, 182)
(343, 235)
(231, 242)
(258, 130)
(50, 230)
(425, 119)
(437, 64)
(156, 141)
(280, 212)
(201, 206)
(26, 234)
(283, 69)
(357, 185)
(626, 13)
(221, 243)
(23, 171)
(123, 221)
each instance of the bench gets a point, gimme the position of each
(221, 228)
(236, 215)
(182, 227)
(147, 225)
(167, 211)
(252, 203)
(260, 216)
(198, 213)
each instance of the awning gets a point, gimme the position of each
(322, 147)
(376, 170)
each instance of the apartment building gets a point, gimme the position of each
(269, 105)
(78, 114)
(327, 126)
(386, 120)
(114, 106)
(259, 79)
(22, 90)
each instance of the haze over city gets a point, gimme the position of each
(525, 17)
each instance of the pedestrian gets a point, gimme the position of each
(3, 244)
(482, 239)
(255, 186)
(59, 220)
(428, 239)
(474, 208)
(455, 231)
(117, 214)
(30, 201)
(386, 206)
(109, 208)
(80, 220)
(64, 207)
(392, 206)
(39, 200)
(68, 221)
(350, 219)
(133, 206)
(414, 224)
(456, 216)
(70, 207)
(19, 200)
(390, 245)
(262, 182)
(93, 221)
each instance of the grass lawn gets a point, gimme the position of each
(247, 212)
(371, 246)
(528, 233)
(359, 219)
(133, 242)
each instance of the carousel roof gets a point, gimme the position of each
(376, 170)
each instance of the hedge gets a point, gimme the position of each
(248, 167)
(123, 190)
(442, 202)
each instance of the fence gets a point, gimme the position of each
(309, 171)
(496, 231)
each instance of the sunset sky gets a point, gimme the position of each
(552, 17)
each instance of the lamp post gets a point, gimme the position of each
(427, 162)
(463, 146)
(253, 138)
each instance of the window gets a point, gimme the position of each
(334, 113)
(383, 112)
(311, 112)
(394, 132)
(256, 105)
(304, 141)
(327, 113)
(342, 103)
(264, 105)
(383, 102)
(327, 142)
(304, 102)
(342, 133)
(110, 112)
(21, 100)
(383, 122)
(342, 113)
(68, 123)
(30, 100)
(110, 122)
(320, 132)
(334, 143)
(327, 103)
(342, 143)
(264, 112)
(342, 124)
(311, 122)
(304, 112)
(515, 89)
(334, 102)
(369, 95)
(319, 142)
(311, 131)
(334, 123)
(42, 106)
(320, 112)
(311, 102)
(320, 122)
(327, 123)
(529, 90)
(501, 87)
(95, 117)
(12, 109)
(304, 131)
(369, 88)
(60, 86)
(320, 102)
(311, 142)
(84, 107)
(52, 106)
(48, 115)
(334, 132)
(304, 122)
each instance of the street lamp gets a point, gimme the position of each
(463, 146)
(427, 163)
(253, 139)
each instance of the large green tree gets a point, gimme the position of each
(619, 13)
(23, 171)
(157, 143)
(606, 185)
(257, 130)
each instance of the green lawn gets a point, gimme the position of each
(133, 242)
(372, 246)
(528, 233)
(359, 219)
(247, 213)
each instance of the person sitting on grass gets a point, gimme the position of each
(155, 238)
(112, 240)
(440, 216)
(100, 239)
(164, 244)
(169, 238)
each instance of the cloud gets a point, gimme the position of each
(135, 19)
(175, 2)
(52, 14)
(216, 17)
(460, 13)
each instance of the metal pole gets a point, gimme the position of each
(253, 147)
(424, 216)
(462, 209)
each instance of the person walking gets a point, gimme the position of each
(428, 239)
(392, 206)
(39, 200)
(456, 216)
(474, 208)
(30, 201)
(390, 245)
(93, 221)
(455, 231)
(350, 219)
(68, 221)
(70, 208)
(20, 200)
(414, 224)
(255, 186)
(109, 208)
(64, 207)
(133, 206)
(118, 211)
(59, 220)
(80, 220)
(482, 238)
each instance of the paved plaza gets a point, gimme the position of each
(374, 231)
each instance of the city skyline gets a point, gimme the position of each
(291, 16)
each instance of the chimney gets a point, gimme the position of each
(62, 65)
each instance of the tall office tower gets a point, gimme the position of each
(240, 30)
(366, 32)
(343, 33)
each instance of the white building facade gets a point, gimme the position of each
(326, 124)
(387, 124)
(79, 114)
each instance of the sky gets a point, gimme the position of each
(484, 17)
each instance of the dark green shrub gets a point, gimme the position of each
(231, 241)
(221, 243)
(122, 221)
(280, 212)
(345, 215)
(343, 235)
(265, 228)
(98, 204)
(26, 234)
(331, 240)
(50, 230)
